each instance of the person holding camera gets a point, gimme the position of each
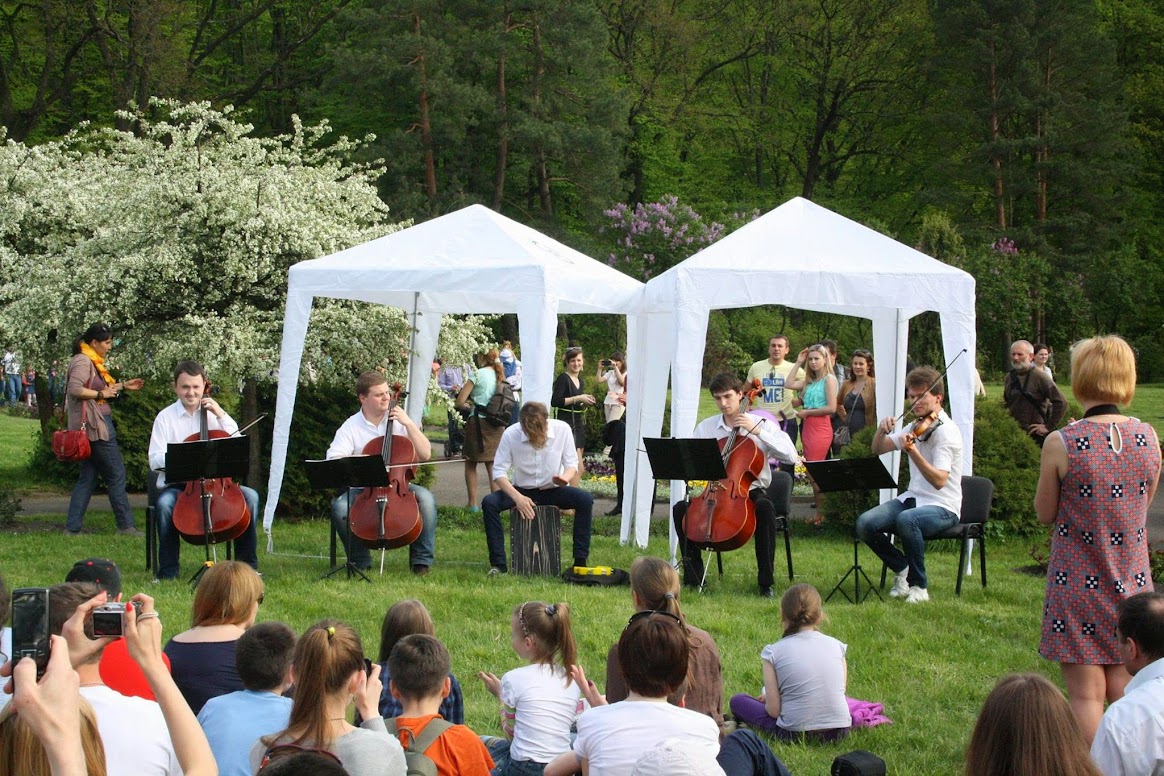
(613, 371)
(141, 737)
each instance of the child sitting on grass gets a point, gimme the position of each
(539, 701)
(419, 666)
(233, 722)
(805, 673)
(653, 653)
(405, 618)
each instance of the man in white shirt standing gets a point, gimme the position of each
(1130, 740)
(728, 392)
(177, 423)
(934, 499)
(541, 453)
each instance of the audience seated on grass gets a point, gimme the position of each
(653, 653)
(226, 603)
(133, 730)
(118, 670)
(328, 674)
(1026, 728)
(805, 673)
(540, 702)
(655, 587)
(404, 618)
(419, 665)
(233, 722)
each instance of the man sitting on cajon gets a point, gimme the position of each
(541, 453)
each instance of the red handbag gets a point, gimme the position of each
(72, 446)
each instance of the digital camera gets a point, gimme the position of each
(107, 618)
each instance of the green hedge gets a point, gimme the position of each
(319, 411)
(1003, 453)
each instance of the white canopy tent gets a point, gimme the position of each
(471, 261)
(803, 256)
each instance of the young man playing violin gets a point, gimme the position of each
(372, 421)
(177, 423)
(774, 443)
(933, 445)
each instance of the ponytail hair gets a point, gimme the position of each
(800, 608)
(548, 626)
(326, 656)
(656, 583)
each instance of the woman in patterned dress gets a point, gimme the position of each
(1098, 476)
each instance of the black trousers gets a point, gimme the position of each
(764, 541)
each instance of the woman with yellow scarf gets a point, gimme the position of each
(90, 389)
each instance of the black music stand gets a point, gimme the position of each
(687, 460)
(851, 474)
(206, 460)
(353, 471)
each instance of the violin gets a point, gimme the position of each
(387, 517)
(920, 428)
(210, 511)
(723, 517)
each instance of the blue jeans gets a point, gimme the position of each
(503, 766)
(420, 552)
(743, 753)
(564, 497)
(170, 540)
(105, 460)
(911, 524)
(14, 388)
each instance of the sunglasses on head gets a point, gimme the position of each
(289, 750)
(649, 612)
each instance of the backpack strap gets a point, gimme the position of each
(432, 731)
(419, 744)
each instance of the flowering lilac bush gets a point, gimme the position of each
(654, 236)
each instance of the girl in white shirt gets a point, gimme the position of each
(805, 673)
(539, 702)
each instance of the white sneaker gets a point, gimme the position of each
(900, 586)
(917, 595)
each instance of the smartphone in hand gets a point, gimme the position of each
(30, 626)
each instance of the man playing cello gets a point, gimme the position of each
(177, 423)
(774, 443)
(370, 422)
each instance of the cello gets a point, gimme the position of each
(723, 517)
(387, 517)
(210, 511)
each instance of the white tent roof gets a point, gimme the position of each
(804, 256)
(471, 261)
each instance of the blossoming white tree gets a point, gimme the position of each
(180, 235)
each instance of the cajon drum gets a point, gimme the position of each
(536, 544)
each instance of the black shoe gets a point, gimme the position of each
(420, 570)
(616, 510)
(766, 592)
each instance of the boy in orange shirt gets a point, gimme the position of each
(419, 666)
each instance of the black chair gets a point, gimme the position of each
(780, 494)
(977, 496)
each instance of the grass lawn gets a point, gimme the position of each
(931, 665)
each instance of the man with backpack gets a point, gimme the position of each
(541, 453)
